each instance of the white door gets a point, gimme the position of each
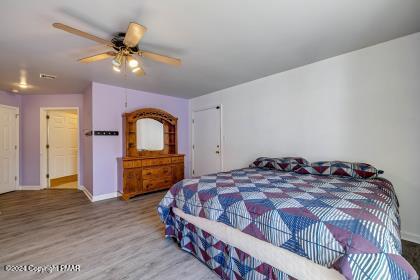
(8, 149)
(62, 141)
(207, 141)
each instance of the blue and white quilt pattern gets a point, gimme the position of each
(346, 223)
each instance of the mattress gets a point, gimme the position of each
(282, 259)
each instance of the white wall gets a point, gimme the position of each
(361, 106)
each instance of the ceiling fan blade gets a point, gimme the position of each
(82, 34)
(97, 57)
(160, 58)
(134, 34)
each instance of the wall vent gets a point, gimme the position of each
(46, 76)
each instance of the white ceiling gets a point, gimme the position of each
(221, 42)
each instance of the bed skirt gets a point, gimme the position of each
(226, 261)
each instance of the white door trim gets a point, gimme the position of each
(43, 144)
(221, 135)
(17, 183)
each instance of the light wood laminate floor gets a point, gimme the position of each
(110, 239)
(70, 185)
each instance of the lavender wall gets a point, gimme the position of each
(10, 99)
(108, 107)
(30, 111)
(100, 108)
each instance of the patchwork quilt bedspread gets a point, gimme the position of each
(346, 223)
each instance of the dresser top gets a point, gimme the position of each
(155, 156)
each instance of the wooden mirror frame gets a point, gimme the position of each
(170, 132)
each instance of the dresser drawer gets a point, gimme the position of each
(132, 164)
(132, 180)
(157, 184)
(177, 172)
(156, 172)
(177, 159)
(156, 161)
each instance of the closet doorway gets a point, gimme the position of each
(60, 148)
(207, 155)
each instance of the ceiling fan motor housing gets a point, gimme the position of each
(118, 40)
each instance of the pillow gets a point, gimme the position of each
(341, 168)
(321, 168)
(344, 169)
(294, 163)
(299, 160)
(263, 162)
(283, 164)
(304, 169)
(365, 171)
(337, 168)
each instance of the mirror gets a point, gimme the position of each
(149, 135)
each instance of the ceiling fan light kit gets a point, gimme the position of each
(132, 62)
(118, 60)
(136, 69)
(125, 47)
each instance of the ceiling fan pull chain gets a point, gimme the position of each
(126, 102)
(125, 82)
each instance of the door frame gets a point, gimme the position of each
(43, 143)
(221, 135)
(17, 183)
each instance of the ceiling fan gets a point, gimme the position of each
(125, 48)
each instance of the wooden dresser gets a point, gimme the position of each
(143, 171)
(148, 174)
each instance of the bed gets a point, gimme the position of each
(264, 223)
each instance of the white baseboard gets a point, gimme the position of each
(105, 196)
(94, 198)
(29, 188)
(410, 237)
(86, 192)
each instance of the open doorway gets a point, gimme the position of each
(60, 148)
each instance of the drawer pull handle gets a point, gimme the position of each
(149, 173)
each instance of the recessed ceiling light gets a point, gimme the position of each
(15, 90)
(22, 85)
